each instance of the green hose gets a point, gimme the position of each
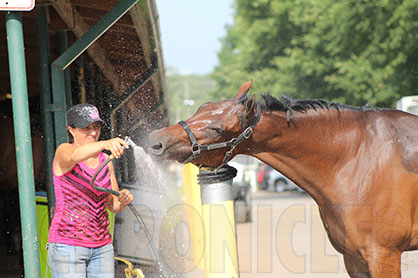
(132, 208)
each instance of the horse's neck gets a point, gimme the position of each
(308, 149)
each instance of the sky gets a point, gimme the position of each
(191, 31)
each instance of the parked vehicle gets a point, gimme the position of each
(270, 179)
(408, 104)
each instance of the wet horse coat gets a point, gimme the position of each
(359, 164)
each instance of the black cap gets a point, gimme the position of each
(82, 115)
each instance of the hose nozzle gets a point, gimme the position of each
(130, 142)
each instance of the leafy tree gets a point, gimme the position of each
(186, 92)
(349, 51)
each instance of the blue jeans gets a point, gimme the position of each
(80, 262)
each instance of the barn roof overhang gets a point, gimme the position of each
(126, 59)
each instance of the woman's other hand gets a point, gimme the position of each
(125, 197)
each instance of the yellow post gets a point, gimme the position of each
(221, 249)
(191, 191)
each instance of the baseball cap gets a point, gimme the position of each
(82, 115)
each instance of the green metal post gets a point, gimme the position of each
(62, 45)
(58, 107)
(23, 141)
(41, 23)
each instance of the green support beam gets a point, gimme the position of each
(72, 53)
(42, 36)
(23, 141)
(62, 46)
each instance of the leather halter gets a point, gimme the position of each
(197, 148)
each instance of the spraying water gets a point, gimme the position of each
(153, 175)
(155, 178)
(149, 170)
(150, 173)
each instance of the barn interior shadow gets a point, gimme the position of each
(11, 253)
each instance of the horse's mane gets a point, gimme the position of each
(288, 105)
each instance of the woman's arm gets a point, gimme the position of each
(117, 204)
(68, 155)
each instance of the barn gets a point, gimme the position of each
(105, 52)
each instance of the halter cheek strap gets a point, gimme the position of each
(197, 148)
(195, 145)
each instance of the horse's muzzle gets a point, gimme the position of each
(169, 143)
(155, 143)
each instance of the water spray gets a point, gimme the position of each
(131, 206)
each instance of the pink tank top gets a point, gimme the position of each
(80, 217)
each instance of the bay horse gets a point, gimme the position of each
(360, 165)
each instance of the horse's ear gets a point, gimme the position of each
(244, 89)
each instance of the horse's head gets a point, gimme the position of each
(210, 136)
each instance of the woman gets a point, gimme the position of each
(79, 243)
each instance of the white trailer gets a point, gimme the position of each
(408, 104)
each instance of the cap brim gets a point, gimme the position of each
(87, 123)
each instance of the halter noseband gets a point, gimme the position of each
(197, 148)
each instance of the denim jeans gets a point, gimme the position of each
(77, 262)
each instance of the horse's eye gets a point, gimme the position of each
(217, 129)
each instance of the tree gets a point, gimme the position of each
(350, 51)
(187, 92)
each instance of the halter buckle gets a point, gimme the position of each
(196, 149)
(247, 132)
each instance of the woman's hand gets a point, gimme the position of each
(125, 197)
(115, 146)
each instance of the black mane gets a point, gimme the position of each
(289, 105)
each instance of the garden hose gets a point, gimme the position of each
(130, 271)
(131, 207)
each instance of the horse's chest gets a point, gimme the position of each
(347, 229)
(334, 231)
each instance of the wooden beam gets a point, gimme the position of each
(104, 5)
(150, 42)
(142, 31)
(66, 12)
(45, 2)
(95, 51)
(94, 15)
(57, 22)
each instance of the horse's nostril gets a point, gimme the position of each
(157, 149)
(157, 146)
